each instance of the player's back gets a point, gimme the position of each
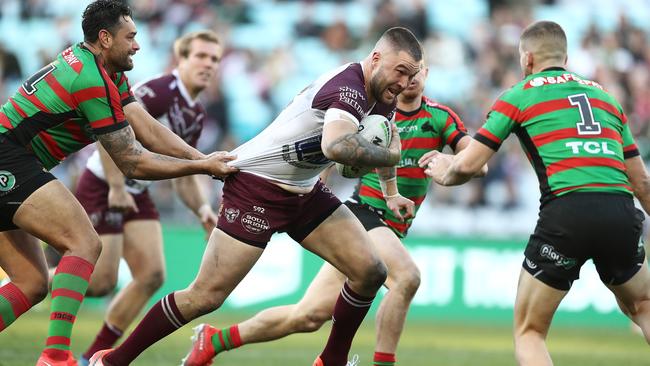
(574, 133)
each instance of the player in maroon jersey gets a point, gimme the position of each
(121, 210)
(278, 189)
(386, 210)
(86, 90)
(579, 142)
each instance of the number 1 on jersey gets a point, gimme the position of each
(587, 125)
(29, 86)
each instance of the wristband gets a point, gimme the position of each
(384, 186)
(392, 196)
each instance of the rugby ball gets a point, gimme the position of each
(376, 129)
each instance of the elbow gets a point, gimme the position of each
(130, 170)
(334, 153)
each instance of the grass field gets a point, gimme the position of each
(423, 344)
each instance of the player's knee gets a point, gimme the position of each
(103, 288)
(205, 302)
(410, 282)
(153, 281)
(375, 274)
(38, 292)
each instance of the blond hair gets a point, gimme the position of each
(546, 40)
(182, 44)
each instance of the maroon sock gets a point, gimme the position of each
(106, 338)
(349, 312)
(162, 320)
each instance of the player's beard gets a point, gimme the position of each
(124, 63)
(378, 86)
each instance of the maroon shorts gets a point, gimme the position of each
(92, 193)
(252, 209)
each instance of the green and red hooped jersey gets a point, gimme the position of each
(430, 127)
(574, 133)
(62, 107)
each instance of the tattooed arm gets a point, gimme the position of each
(156, 137)
(342, 143)
(139, 163)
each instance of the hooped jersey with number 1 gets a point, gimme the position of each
(65, 105)
(573, 132)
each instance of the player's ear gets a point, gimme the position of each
(530, 60)
(376, 58)
(105, 38)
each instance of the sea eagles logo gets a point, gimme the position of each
(231, 214)
(7, 181)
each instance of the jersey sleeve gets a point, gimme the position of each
(453, 129)
(99, 101)
(501, 120)
(124, 87)
(630, 149)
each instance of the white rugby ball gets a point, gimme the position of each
(376, 129)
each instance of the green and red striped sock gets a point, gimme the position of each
(13, 303)
(226, 339)
(68, 289)
(384, 359)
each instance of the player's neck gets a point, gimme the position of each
(98, 53)
(191, 90)
(409, 104)
(547, 65)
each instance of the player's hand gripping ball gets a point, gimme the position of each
(376, 129)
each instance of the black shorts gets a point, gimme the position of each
(20, 175)
(603, 227)
(369, 216)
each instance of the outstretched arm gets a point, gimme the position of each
(156, 137)
(450, 170)
(137, 162)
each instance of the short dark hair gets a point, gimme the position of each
(404, 40)
(102, 14)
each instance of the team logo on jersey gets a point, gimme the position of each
(254, 223)
(7, 181)
(559, 259)
(231, 214)
(426, 127)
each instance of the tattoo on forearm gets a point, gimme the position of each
(353, 149)
(123, 148)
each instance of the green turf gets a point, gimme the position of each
(423, 344)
